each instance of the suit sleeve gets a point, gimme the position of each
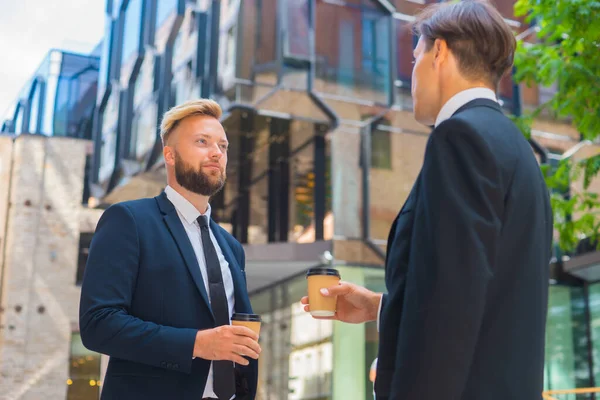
(453, 247)
(106, 324)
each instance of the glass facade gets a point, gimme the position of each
(61, 97)
(304, 358)
(165, 8)
(84, 372)
(353, 50)
(132, 29)
(566, 339)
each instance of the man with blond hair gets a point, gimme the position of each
(163, 280)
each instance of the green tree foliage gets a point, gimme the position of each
(567, 53)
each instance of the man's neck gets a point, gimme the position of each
(198, 201)
(453, 90)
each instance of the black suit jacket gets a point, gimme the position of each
(467, 268)
(143, 299)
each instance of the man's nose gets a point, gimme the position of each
(216, 152)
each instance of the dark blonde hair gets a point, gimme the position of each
(175, 115)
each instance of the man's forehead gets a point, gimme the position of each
(206, 126)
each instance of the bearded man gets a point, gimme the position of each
(163, 280)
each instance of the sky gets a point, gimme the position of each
(30, 28)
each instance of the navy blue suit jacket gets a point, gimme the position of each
(143, 300)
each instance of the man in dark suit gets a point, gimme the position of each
(467, 257)
(162, 279)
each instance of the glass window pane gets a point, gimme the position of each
(84, 371)
(296, 44)
(106, 57)
(109, 137)
(143, 130)
(61, 114)
(594, 303)
(297, 360)
(131, 30)
(258, 43)
(76, 96)
(35, 108)
(19, 119)
(164, 9)
(352, 51)
(566, 365)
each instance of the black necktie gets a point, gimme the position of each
(223, 373)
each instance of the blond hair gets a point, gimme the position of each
(175, 115)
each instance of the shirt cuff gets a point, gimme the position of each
(379, 312)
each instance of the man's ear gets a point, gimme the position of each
(440, 49)
(169, 155)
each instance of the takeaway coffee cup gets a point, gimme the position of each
(321, 278)
(251, 321)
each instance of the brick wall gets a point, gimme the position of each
(39, 296)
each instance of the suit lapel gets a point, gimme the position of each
(242, 302)
(183, 243)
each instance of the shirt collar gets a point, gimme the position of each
(462, 98)
(184, 207)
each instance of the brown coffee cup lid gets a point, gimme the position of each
(246, 317)
(322, 271)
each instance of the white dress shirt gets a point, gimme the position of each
(188, 214)
(448, 109)
(462, 98)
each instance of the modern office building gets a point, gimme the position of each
(323, 152)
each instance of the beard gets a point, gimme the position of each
(196, 180)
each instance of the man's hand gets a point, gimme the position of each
(227, 342)
(355, 304)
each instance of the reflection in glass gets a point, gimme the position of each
(19, 119)
(75, 96)
(109, 138)
(35, 108)
(259, 189)
(375, 281)
(594, 303)
(297, 352)
(133, 24)
(566, 363)
(105, 57)
(302, 170)
(346, 183)
(183, 86)
(258, 43)
(84, 372)
(405, 44)
(352, 51)
(296, 44)
(164, 9)
(143, 130)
